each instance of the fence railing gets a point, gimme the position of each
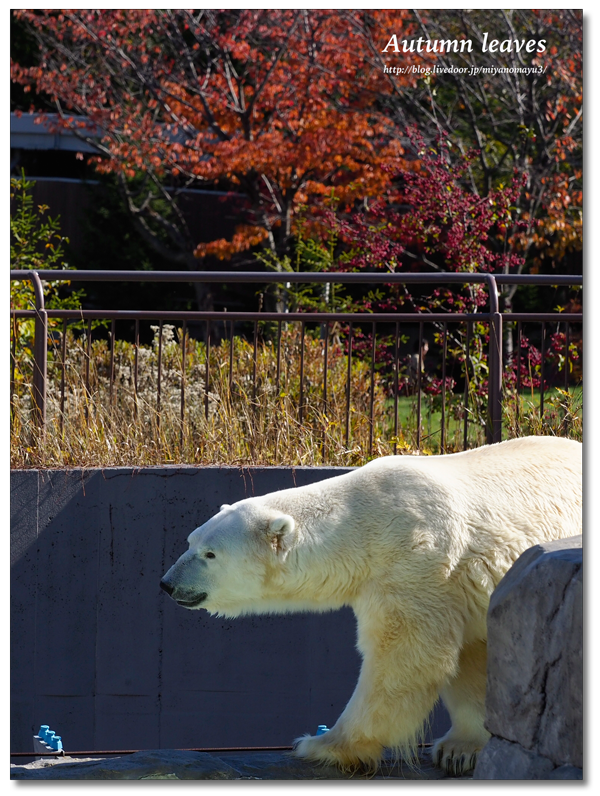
(353, 321)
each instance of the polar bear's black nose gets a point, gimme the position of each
(166, 587)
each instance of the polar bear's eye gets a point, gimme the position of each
(209, 555)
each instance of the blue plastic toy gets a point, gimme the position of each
(46, 741)
(56, 743)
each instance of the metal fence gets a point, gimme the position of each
(354, 324)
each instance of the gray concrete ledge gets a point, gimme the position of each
(180, 765)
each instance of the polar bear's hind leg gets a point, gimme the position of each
(399, 683)
(464, 696)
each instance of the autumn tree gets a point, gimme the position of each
(431, 220)
(275, 105)
(513, 110)
(284, 106)
(517, 109)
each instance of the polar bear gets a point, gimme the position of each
(415, 545)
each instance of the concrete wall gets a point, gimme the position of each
(105, 658)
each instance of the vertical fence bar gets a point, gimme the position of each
(159, 374)
(55, 345)
(420, 369)
(372, 396)
(567, 343)
(63, 367)
(40, 356)
(518, 410)
(88, 356)
(112, 363)
(135, 366)
(88, 353)
(230, 356)
(254, 362)
(542, 372)
(466, 396)
(325, 364)
(301, 406)
(489, 431)
(494, 430)
(182, 407)
(396, 367)
(278, 374)
(13, 364)
(565, 420)
(207, 370)
(348, 386)
(494, 408)
(443, 426)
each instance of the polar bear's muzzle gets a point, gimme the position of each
(181, 597)
(181, 582)
(195, 602)
(192, 603)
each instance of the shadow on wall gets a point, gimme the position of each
(101, 654)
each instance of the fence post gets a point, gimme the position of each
(39, 352)
(494, 425)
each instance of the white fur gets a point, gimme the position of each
(415, 545)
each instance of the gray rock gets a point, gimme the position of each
(566, 772)
(535, 665)
(155, 764)
(500, 759)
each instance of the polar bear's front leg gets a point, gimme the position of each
(398, 686)
(337, 748)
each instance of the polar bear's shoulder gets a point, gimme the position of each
(521, 450)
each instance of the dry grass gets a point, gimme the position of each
(235, 422)
(562, 414)
(241, 419)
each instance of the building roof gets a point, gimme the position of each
(41, 131)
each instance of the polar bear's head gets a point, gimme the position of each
(232, 560)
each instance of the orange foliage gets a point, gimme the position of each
(286, 106)
(277, 104)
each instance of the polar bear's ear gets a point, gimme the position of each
(225, 506)
(281, 535)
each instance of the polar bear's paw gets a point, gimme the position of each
(457, 756)
(331, 749)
